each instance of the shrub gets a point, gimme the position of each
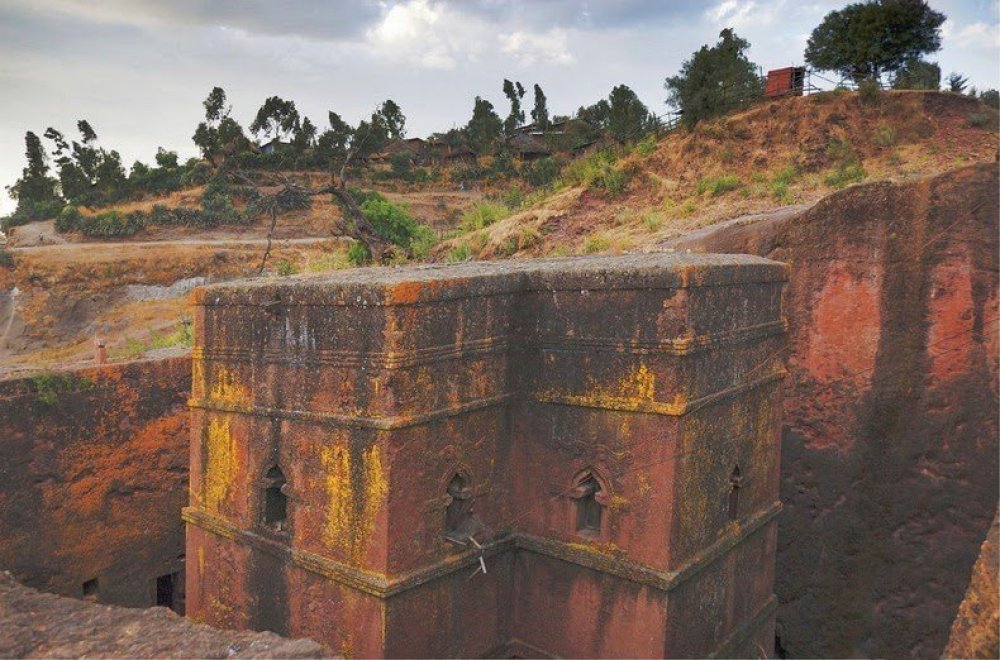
(646, 146)
(390, 220)
(423, 240)
(358, 254)
(48, 386)
(30, 211)
(460, 252)
(284, 267)
(718, 185)
(541, 172)
(786, 175)
(598, 170)
(869, 92)
(483, 215)
(69, 219)
(6, 259)
(780, 192)
(980, 120)
(593, 244)
(182, 336)
(513, 198)
(217, 206)
(885, 136)
(112, 224)
(845, 175)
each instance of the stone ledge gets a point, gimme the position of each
(384, 586)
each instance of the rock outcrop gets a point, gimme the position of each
(889, 456)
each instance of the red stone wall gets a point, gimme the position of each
(371, 390)
(890, 445)
(93, 475)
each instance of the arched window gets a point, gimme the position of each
(459, 523)
(735, 483)
(589, 505)
(275, 499)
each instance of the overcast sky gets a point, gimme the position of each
(138, 70)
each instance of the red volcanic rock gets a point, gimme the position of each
(889, 453)
(45, 625)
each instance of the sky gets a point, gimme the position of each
(138, 70)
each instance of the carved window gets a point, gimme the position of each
(459, 522)
(589, 505)
(275, 500)
(735, 483)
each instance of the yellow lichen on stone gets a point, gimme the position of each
(225, 389)
(221, 469)
(352, 506)
(644, 382)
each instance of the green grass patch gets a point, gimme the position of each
(718, 185)
(595, 244)
(483, 215)
(48, 386)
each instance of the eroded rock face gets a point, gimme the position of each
(975, 631)
(45, 625)
(889, 464)
(93, 474)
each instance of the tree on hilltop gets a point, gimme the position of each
(918, 74)
(393, 119)
(868, 39)
(485, 127)
(628, 117)
(714, 80)
(540, 113)
(36, 191)
(956, 82)
(219, 135)
(514, 93)
(276, 116)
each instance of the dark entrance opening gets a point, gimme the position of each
(90, 589)
(170, 591)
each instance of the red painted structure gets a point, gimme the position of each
(605, 428)
(785, 82)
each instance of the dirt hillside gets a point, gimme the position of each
(792, 151)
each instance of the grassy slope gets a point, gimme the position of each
(780, 153)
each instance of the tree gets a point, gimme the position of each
(540, 113)
(990, 97)
(869, 39)
(88, 174)
(331, 146)
(715, 80)
(628, 117)
(276, 116)
(956, 82)
(166, 159)
(35, 191)
(484, 128)
(514, 93)
(393, 119)
(918, 74)
(215, 105)
(219, 135)
(305, 136)
(596, 115)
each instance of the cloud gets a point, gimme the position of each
(312, 19)
(978, 35)
(744, 13)
(529, 49)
